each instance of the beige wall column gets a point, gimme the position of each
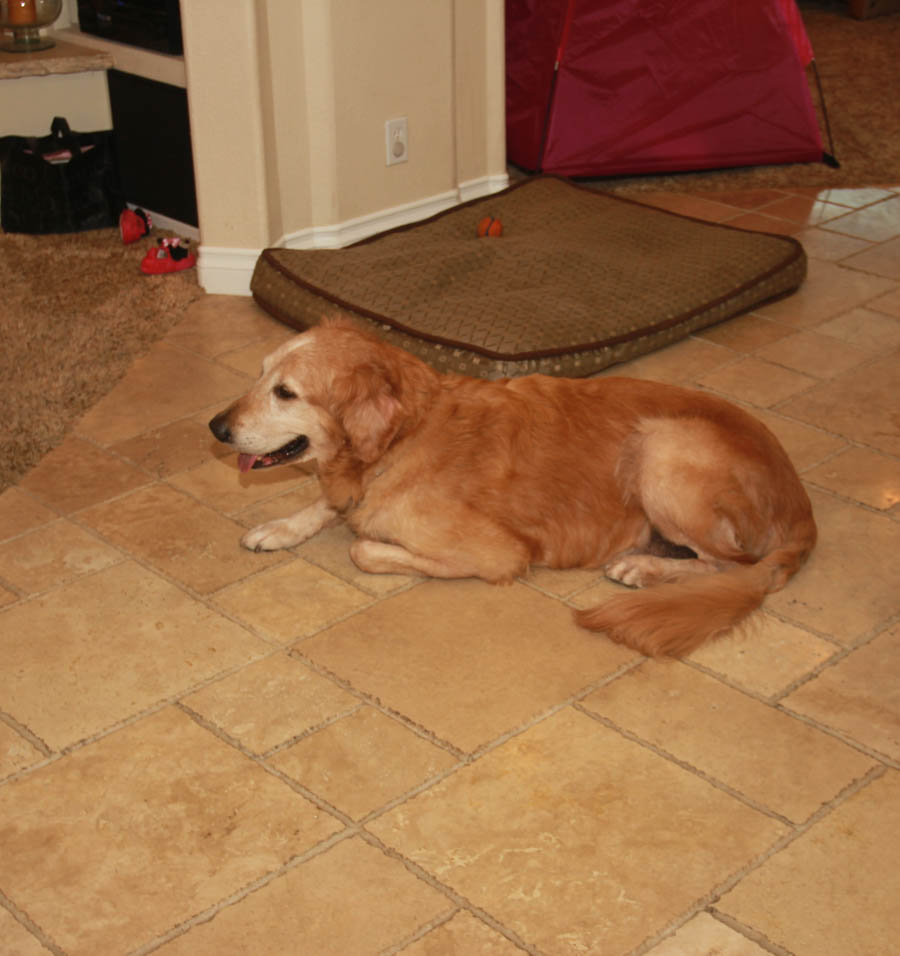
(223, 82)
(289, 100)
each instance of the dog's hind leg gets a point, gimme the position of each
(378, 557)
(286, 532)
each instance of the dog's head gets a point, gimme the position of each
(330, 389)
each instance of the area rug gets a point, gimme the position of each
(578, 280)
(75, 311)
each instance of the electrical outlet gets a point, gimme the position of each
(396, 140)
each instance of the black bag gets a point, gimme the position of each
(64, 182)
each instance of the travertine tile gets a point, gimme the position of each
(779, 762)
(865, 328)
(883, 259)
(362, 761)
(852, 197)
(53, 554)
(577, 839)
(464, 934)
(745, 333)
(834, 890)
(565, 582)
(291, 601)
(706, 936)
(816, 355)
(16, 753)
(849, 584)
(77, 474)
(766, 656)
(860, 695)
(351, 900)
(831, 246)
(114, 844)
(806, 445)
(746, 198)
(829, 290)
(761, 222)
(860, 404)
(16, 939)
(282, 505)
(248, 360)
(875, 223)
(221, 323)
(807, 210)
(180, 536)
(164, 385)
(466, 660)
(861, 474)
(756, 382)
(679, 363)
(106, 647)
(270, 701)
(172, 448)
(217, 482)
(888, 303)
(330, 549)
(20, 512)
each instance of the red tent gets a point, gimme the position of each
(613, 87)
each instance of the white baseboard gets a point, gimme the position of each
(227, 271)
(222, 270)
(165, 222)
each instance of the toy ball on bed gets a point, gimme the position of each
(489, 226)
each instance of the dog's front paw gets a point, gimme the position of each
(271, 536)
(630, 570)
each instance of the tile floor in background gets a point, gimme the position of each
(208, 751)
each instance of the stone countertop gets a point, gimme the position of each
(65, 57)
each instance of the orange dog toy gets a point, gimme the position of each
(489, 226)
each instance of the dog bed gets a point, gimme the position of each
(578, 281)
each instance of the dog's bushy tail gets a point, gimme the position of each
(677, 617)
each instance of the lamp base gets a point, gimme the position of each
(24, 40)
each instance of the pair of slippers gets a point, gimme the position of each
(168, 255)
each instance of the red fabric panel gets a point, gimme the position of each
(664, 85)
(533, 32)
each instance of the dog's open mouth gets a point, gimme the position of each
(287, 452)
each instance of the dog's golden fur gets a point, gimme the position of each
(672, 491)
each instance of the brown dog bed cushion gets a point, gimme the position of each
(579, 280)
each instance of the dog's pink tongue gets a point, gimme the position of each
(245, 462)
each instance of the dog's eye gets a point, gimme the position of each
(283, 392)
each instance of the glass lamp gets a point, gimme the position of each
(21, 21)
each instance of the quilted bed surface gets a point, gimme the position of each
(579, 280)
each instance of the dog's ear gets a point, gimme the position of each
(369, 409)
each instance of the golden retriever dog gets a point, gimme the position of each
(673, 492)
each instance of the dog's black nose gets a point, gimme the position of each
(219, 427)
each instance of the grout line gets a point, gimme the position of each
(421, 932)
(210, 913)
(709, 899)
(21, 917)
(313, 798)
(690, 768)
(374, 702)
(750, 933)
(448, 891)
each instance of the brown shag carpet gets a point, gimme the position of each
(858, 67)
(75, 310)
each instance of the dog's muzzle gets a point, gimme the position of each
(293, 449)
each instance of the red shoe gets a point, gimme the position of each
(134, 224)
(169, 255)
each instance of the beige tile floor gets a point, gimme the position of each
(204, 750)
